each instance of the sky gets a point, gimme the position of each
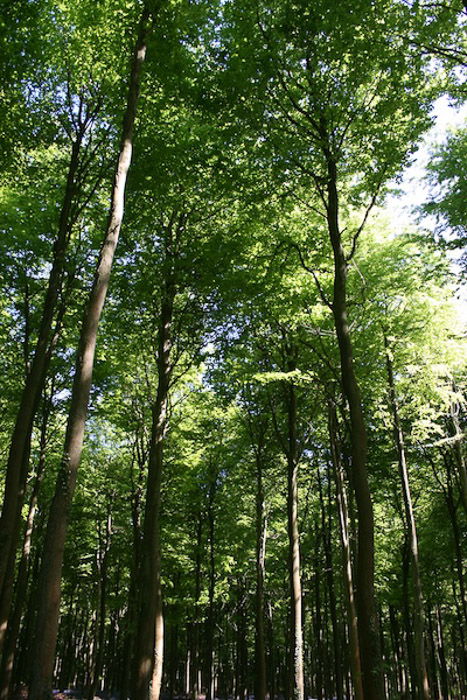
(413, 190)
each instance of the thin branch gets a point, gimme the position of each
(364, 220)
(322, 294)
(308, 205)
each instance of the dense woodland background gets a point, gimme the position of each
(269, 495)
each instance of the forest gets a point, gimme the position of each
(232, 441)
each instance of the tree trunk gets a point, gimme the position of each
(410, 651)
(318, 623)
(20, 441)
(272, 665)
(400, 682)
(173, 653)
(423, 689)
(368, 628)
(352, 620)
(260, 649)
(52, 561)
(6, 593)
(326, 525)
(241, 656)
(211, 588)
(139, 456)
(23, 569)
(442, 658)
(435, 682)
(462, 656)
(102, 571)
(196, 654)
(150, 632)
(23, 652)
(294, 544)
(452, 510)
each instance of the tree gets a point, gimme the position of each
(48, 612)
(448, 189)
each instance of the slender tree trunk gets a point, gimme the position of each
(23, 569)
(70, 642)
(23, 652)
(442, 657)
(400, 682)
(326, 525)
(410, 651)
(423, 689)
(260, 649)
(294, 545)
(435, 682)
(139, 455)
(368, 628)
(150, 632)
(102, 571)
(272, 665)
(52, 561)
(187, 684)
(197, 682)
(318, 623)
(352, 620)
(6, 593)
(173, 651)
(460, 626)
(211, 588)
(327, 673)
(460, 561)
(116, 633)
(19, 446)
(241, 656)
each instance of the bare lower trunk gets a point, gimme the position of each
(355, 666)
(298, 688)
(102, 571)
(8, 660)
(210, 623)
(442, 658)
(326, 530)
(150, 628)
(196, 655)
(6, 594)
(241, 651)
(132, 610)
(452, 506)
(260, 652)
(272, 663)
(150, 632)
(42, 661)
(156, 680)
(318, 627)
(423, 689)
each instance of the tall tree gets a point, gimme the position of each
(420, 660)
(16, 472)
(52, 559)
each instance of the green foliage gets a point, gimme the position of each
(447, 176)
(241, 106)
